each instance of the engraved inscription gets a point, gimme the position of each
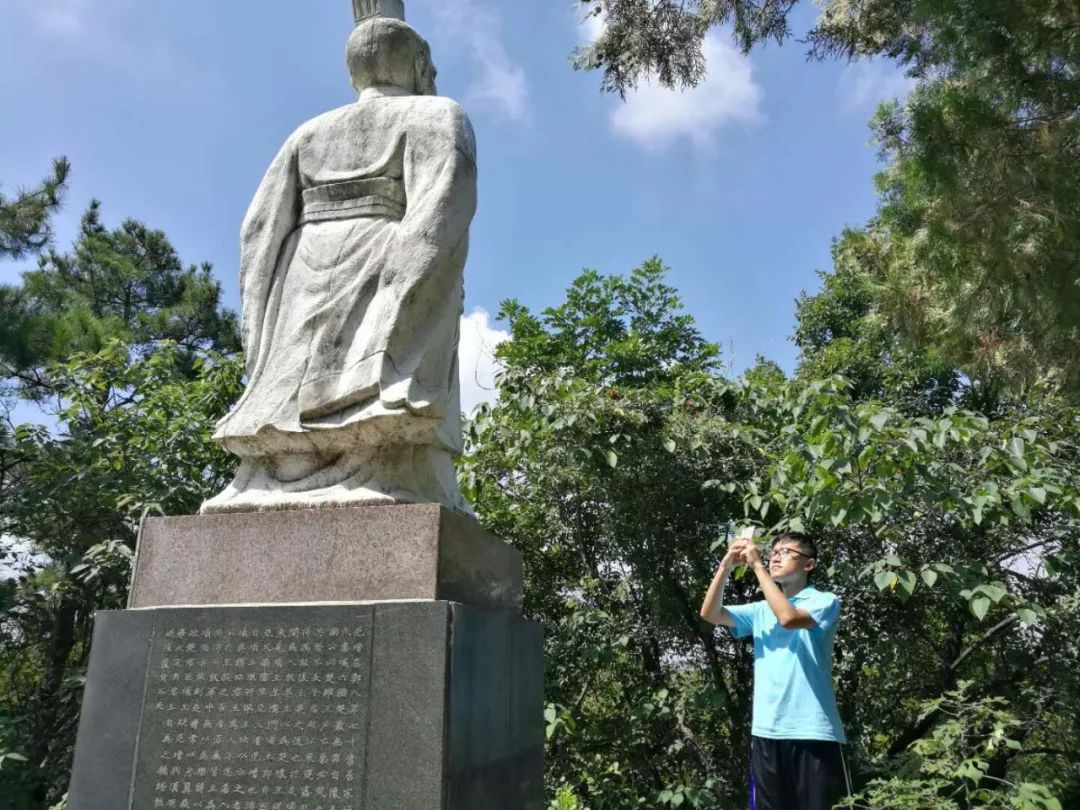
(251, 709)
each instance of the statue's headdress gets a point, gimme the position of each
(365, 9)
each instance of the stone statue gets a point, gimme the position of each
(351, 282)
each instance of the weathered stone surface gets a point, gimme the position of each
(375, 553)
(374, 8)
(411, 772)
(265, 669)
(265, 704)
(402, 706)
(351, 263)
(115, 684)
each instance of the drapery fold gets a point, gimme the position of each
(350, 322)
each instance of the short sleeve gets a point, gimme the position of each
(744, 616)
(824, 609)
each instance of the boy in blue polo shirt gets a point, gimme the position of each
(796, 752)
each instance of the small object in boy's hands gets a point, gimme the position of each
(746, 533)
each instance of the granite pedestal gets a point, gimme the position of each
(392, 703)
(408, 551)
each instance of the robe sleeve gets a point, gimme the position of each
(440, 191)
(273, 215)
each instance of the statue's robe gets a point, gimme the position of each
(351, 282)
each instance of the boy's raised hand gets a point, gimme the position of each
(736, 554)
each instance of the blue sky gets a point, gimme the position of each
(170, 112)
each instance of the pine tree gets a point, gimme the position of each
(25, 220)
(124, 284)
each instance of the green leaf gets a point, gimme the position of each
(995, 592)
(907, 581)
(612, 459)
(11, 756)
(884, 578)
(1027, 616)
(669, 445)
(929, 576)
(979, 606)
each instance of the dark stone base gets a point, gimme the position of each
(389, 706)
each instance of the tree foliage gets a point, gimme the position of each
(121, 346)
(951, 537)
(841, 331)
(25, 221)
(663, 38)
(126, 284)
(974, 252)
(980, 200)
(133, 437)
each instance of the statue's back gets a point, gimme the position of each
(368, 138)
(351, 279)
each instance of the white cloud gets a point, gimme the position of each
(869, 82)
(592, 27)
(500, 84)
(654, 116)
(476, 359)
(66, 18)
(497, 82)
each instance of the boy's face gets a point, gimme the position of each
(787, 561)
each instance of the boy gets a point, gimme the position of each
(796, 755)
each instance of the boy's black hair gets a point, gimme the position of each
(804, 540)
(807, 545)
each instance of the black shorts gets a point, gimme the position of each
(797, 774)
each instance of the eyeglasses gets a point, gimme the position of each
(783, 553)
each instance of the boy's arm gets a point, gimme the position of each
(712, 609)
